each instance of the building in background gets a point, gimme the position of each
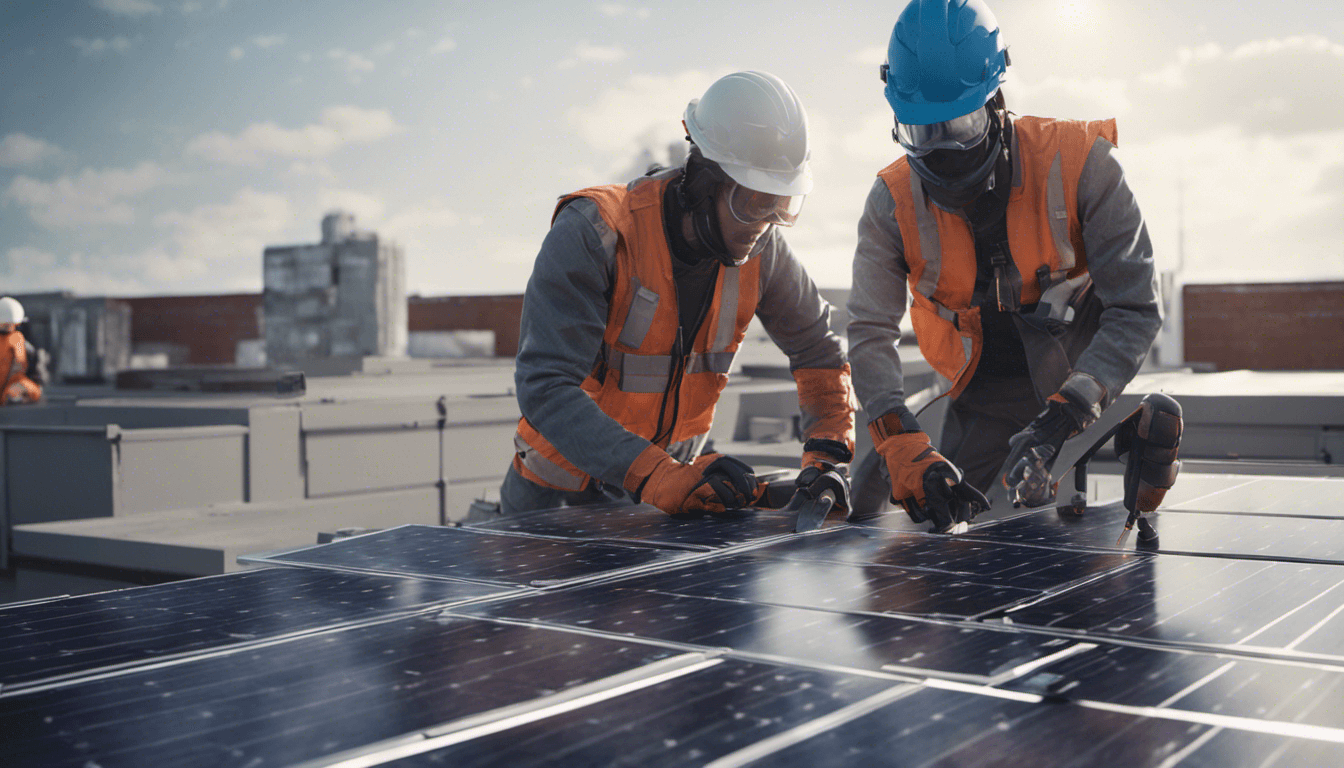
(176, 331)
(88, 338)
(342, 297)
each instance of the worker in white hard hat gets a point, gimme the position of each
(638, 300)
(18, 387)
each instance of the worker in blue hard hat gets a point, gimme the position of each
(1026, 258)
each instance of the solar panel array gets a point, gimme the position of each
(618, 636)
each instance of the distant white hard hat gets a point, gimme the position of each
(11, 311)
(753, 125)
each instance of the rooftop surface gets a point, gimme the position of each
(619, 636)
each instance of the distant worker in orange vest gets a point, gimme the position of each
(18, 388)
(1027, 260)
(638, 301)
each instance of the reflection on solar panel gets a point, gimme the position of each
(616, 636)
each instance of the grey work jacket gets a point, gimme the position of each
(565, 315)
(1119, 259)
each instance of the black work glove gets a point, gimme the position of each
(950, 503)
(1032, 452)
(732, 480)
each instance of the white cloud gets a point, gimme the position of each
(217, 245)
(444, 45)
(99, 46)
(353, 63)
(127, 7)
(367, 209)
(91, 197)
(1074, 97)
(600, 53)
(209, 248)
(643, 112)
(236, 53)
(192, 6)
(269, 41)
(18, 149)
(1279, 86)
(315, 170)
(33, 269)
(383, 48)
(338, 127)
(616, 10)
(414, 223)
(1272, 214)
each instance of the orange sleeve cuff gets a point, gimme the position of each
(643, 466)
(826, 397)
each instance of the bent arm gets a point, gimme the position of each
(797, 318)
(560, 337)
(876, 305)
(1120, 260)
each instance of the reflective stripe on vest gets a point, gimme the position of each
(930, 245)
(545, 468)
(1059, 218)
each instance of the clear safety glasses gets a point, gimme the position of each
(751, 207)
(958, 133)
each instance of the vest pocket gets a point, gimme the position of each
(639, 318)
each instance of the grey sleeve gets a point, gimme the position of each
(560, 336)
(793, 312)
(877, 302)
(1120, 260)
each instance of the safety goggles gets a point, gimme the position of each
(958, 133)
(751, 207)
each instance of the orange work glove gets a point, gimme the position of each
(713, 483)
(929, 486)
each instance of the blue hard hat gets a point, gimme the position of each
(946, 58)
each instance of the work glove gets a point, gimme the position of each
(684, 489)
(733, 481)
(1032, 452)
(928, 486)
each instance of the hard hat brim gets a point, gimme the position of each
(774, 183)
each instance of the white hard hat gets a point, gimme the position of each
(11, 311)
(754, 127)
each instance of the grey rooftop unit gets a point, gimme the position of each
(342, 297)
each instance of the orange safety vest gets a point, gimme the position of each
(631, 378)
(14, 364)
(1043, 231)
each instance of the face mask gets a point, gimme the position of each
(954, 178)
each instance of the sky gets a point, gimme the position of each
(157, 146)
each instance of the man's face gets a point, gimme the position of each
(740, 239)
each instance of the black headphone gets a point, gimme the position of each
(697, 193)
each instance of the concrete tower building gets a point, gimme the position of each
(343, 297)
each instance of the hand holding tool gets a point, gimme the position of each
(929, 486)
(819, 491)
(1026, 471)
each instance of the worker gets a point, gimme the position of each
(1027, 260)
(15, 356)
(639, 298)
